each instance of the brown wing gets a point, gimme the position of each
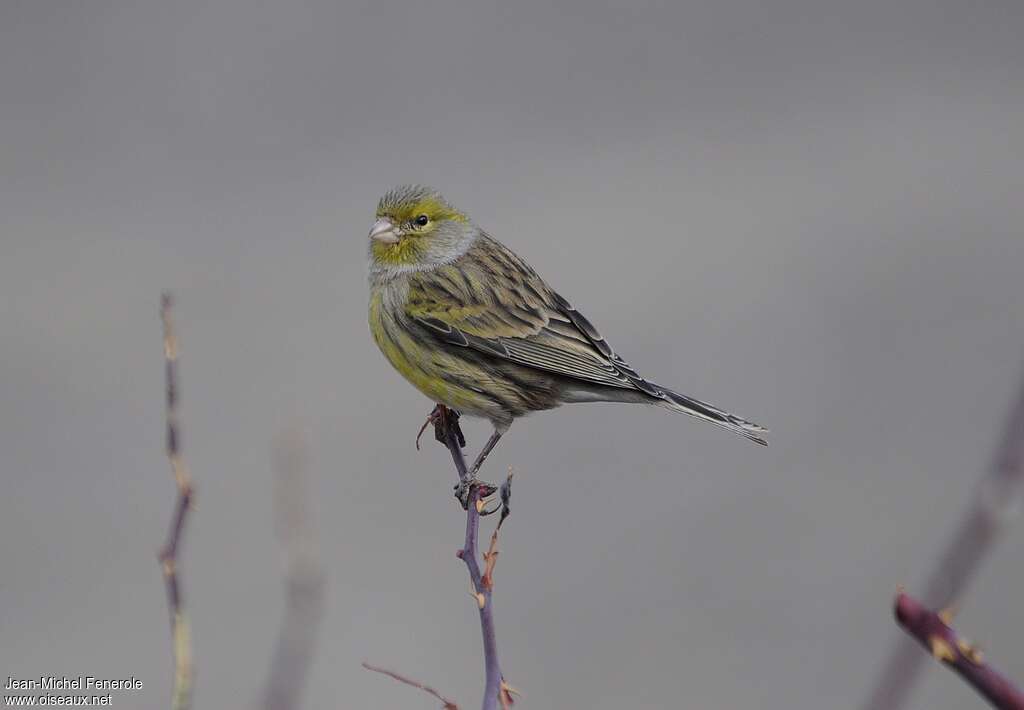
(490, 300)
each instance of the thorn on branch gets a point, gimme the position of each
(508, 695)
(947, 615)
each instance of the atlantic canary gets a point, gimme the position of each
(473, 327)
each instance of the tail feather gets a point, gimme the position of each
(702, 410)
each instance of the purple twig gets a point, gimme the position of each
(448, 432)
(996, 500)
(933, 632)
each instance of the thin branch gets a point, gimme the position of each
(449, 433)
(181, 637)
(996, 500)
(933, 632)
(304, 580)
(496, 690)
(447, 704)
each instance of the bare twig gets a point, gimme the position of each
(447, 704)
(182, 644)
(449, 433)
(304, 581)
(996, 500)
(496, 690)
(933, 632)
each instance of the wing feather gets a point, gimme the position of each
(493, 302)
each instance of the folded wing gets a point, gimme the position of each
(496, 304)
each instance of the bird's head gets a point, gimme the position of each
(417, 228)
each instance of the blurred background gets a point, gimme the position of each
(809, 213)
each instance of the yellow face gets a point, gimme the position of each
(407, 224)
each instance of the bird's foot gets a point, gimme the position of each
(432, 418)
(443, 419)
(465, 488)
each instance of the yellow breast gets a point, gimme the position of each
(434, 372)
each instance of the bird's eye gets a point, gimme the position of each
(422, 220)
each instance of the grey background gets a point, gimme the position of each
(807, 212)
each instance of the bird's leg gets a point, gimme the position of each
(448, 432)
(465, 485)
(486, 450)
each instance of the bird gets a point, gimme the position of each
(473, 327)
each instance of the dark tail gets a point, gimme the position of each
(702, 410)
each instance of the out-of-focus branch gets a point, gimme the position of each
(447, 704)
(933, 632)
(304, 581)
(181, 697)
(449, 433)
(996, 501)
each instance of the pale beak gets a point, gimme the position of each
(384, 231)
